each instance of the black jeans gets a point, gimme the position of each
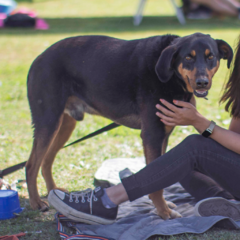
(203, 167)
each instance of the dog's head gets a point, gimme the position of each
(195, 59)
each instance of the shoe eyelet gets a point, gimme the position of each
(83, 201)
(70, 200)
(95, 199)
(76, 201)
(88, 200)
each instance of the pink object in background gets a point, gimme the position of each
(2, 17)
(1, 23)
(26, 11)
(41, 24)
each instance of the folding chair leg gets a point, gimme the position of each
(137, 19)
(179, 13)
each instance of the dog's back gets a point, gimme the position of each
(99, 71)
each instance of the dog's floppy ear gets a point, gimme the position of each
(163, 67)
(225, 51)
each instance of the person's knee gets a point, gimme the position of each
(195, 141)
(193, 138)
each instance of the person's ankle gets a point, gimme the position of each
(106, 201)
(112, 195)
(117, 194)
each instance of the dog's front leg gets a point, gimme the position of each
(154, 135)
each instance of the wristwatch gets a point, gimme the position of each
(209, 130)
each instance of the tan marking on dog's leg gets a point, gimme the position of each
(40, 148)
(162, 207)
(65, 131)
(171, 205)
(168, 130)
(157, 198)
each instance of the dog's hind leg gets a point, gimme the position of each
(168, 131)
(65, 131)
(47, 95)
(43, 139)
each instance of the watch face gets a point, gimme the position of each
(206, 133)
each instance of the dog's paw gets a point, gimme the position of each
(174, 214)
(170, 204)
(164, 214)
(168, 214)
(44, 207)
(39, 205)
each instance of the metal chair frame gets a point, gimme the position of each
(137, 19)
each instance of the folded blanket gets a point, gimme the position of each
(138, 220)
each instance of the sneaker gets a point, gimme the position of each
(84, 206)
(217, 206)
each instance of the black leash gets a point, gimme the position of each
(14, 168)
(105, 129)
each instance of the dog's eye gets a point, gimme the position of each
(188, 58)
(210, 57)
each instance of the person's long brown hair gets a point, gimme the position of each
(231, 94)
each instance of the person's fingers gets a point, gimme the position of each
(182, 104)
(165, 111)
(169, 105)
(166, 118)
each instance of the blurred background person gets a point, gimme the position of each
(203, 9)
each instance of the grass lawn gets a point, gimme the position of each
(75, 166)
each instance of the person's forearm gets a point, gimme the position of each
(171, 115)
(235, 125)
(226, 138)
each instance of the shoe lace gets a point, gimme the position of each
(89, 193)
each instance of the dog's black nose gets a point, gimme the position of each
(202, 82)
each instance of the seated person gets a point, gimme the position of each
(202, 9)
(207, 166)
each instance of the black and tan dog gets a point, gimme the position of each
(117, 79)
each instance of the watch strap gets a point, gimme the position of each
(209, 130)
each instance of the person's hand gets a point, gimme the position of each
(187, 115)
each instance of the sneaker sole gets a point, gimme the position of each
(217, 206)
(73, 214)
